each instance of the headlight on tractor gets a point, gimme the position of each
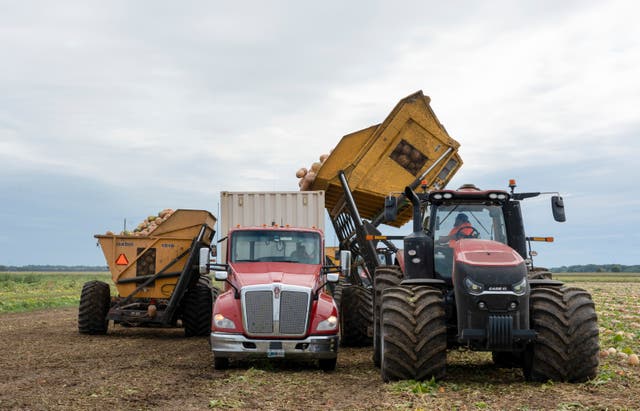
(220, 321)
(473, 287)
(520, 287)
(329, 324)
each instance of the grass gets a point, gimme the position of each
(32, 291)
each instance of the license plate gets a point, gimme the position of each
(275, 353)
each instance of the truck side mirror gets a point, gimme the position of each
(557, 207)
(345, 262)
(333, 277)
(390, 208)
(204, 260)
(221, 275)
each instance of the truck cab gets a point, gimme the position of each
(274, 304)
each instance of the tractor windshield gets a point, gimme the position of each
(453, 222)
(275, 245)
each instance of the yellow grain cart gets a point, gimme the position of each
(156, 277)
(409, 148)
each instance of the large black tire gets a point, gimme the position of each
(566, 347)
(386, 276)
(94, 307)
(336, 293)
(197, 306)
(356, 313)
(220, 363)
(328, 364)
(414, 334)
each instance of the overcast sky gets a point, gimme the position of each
(118, 109)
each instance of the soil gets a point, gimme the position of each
(47, 365)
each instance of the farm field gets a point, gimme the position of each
(47, 365)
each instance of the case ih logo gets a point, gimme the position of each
(276, 292)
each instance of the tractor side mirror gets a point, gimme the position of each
(345, 262)
(333, 277)
(390, 208)
(204, 260)
(557, 207)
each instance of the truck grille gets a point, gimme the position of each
(281, 312)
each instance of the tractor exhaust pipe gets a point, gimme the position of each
(417, 216)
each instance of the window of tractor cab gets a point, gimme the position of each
(275, 246)
(488, 220)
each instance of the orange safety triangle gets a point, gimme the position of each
(122, 260)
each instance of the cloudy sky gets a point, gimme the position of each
(118, 109)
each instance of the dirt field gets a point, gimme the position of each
(47, 365)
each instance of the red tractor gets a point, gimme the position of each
(465, 279)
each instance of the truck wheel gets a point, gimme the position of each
(386, 276)
(94, 307)
(566, 348)
(328, 364)
(414, 334)
(220, 363)
(197, 306)
(356, 312)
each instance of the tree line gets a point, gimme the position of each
(54, 268)
(597, 268)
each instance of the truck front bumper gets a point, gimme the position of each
(238, 346)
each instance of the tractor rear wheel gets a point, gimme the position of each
(566, 348)
(197, 306)
(386, 276)
(356, 313)
(94, 307)
(414, 334)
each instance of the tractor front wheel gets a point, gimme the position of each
(566, 348)
(413, 334)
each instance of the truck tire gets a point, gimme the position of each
(414, 334)
(386, 276)
(356, 313)
(197, 306)
(95, 300)
(566, 348)
(220, 363)
(328, 364)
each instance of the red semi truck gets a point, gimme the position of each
(274, 304)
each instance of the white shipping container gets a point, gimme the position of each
(256, 208)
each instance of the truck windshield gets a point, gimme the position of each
(280, 246)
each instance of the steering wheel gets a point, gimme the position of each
(459, 233)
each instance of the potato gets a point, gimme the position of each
(315, 167)
(324, 157)
(301, 172)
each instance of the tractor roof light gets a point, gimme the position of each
(447, 196)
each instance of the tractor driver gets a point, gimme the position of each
(461, 229)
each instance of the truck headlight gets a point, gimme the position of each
(473, 287)
(330, 323)
(220, 321)
(520, 287)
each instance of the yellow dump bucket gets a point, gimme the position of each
(132, 259)
(385, 158)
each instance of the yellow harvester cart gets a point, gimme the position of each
(156, 278)
(409, 148)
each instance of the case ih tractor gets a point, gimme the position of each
(473, 285)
